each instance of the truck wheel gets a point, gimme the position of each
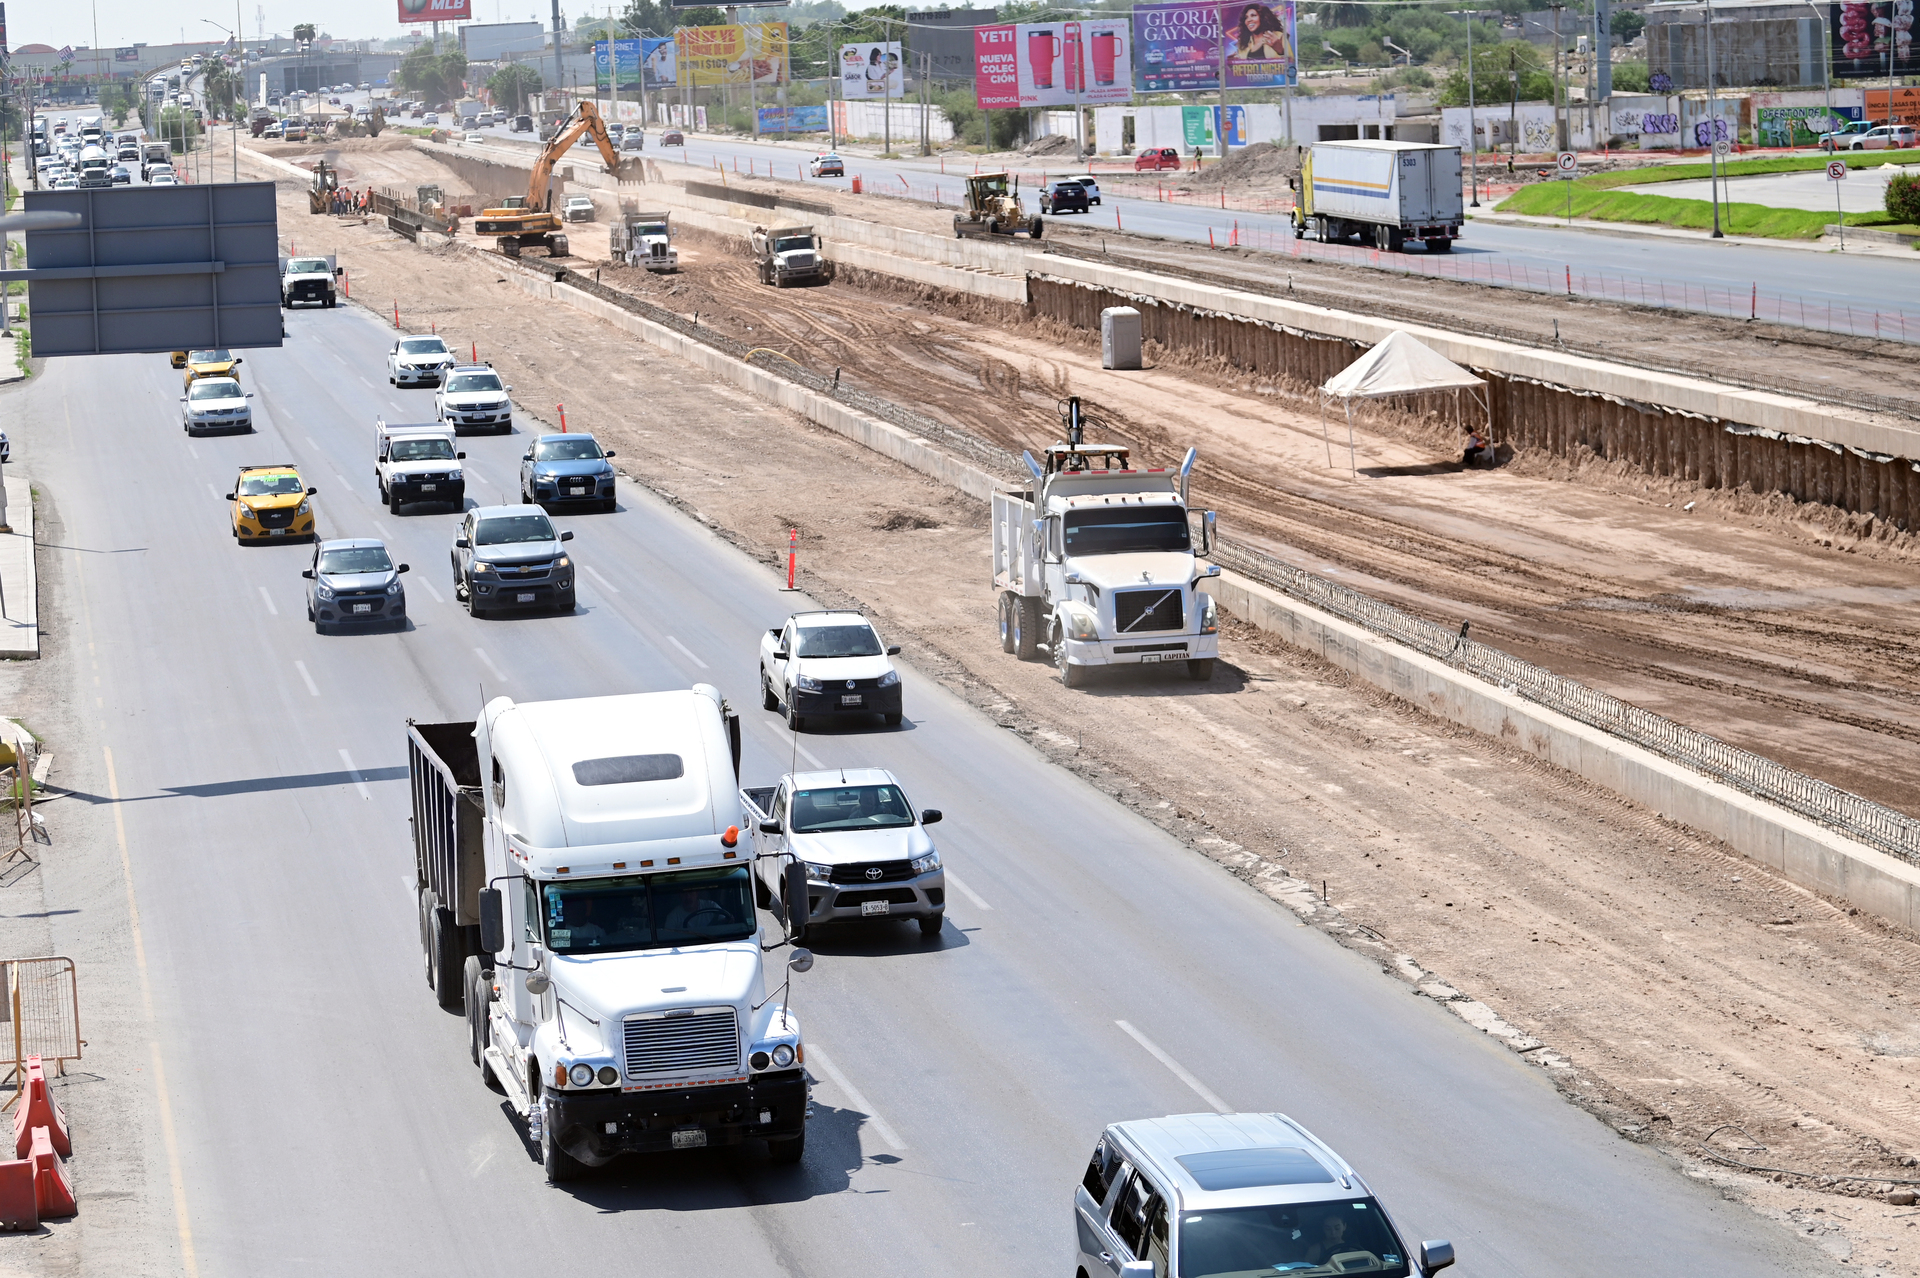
(785, 1153)
(393, 503)
(1396, 240)
(1442, 245)
(1005, 620)
(1033, 229)
(761, 896)
(1071, 676)
(560, 1165)
(447, 964)
(473, 980)
(930, 924)
(767, 700)
(1026, 627)
(1200, 670)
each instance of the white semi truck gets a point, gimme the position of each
(1384, 192)
(1096, 562)
(586, 894)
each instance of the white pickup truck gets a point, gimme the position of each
(307, 279)
(828, 665)
(417, 462)
(867, 855)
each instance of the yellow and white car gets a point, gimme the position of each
(271, 503)
(215, 363)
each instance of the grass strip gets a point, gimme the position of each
(1747, 168)
(1551, 199)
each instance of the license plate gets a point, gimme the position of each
(1149, 657)
(576, 492)
(427, 488)
(852, 699)
(363, 607)
(689, 1140)
(870, 908)
(276, 532)
(525, 596)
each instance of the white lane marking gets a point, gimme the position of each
(314, 688)
(688, 651)
(342, 481)
(608, 586)
(269, 598)
(382, 530)
(853, 1095)
(193, 452)
(431, 590)
(359, 782)
(964, 890)
(488, 662)
(217, 494)
(1179, 1070)
(316, 444)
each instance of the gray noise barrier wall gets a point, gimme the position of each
(152, 269)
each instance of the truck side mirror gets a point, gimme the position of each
(800, 961)
(307, 573)
(779, 654)
(1435, 1255)
(493, 924)
(459, 456)
(894, 651)
(770, 826)
(793, 900)
(1136, 1269)
(1207, 531)
(459, 543)
(339, 270)
(931, 816)
(566, 536)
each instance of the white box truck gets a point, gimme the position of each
(586, 895)
(1384, 192)
(1096, 562)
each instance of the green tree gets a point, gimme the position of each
(116, 101)
(304, 32)
(511, 85)
(1631, 77)
(179, 129)
(223, 87)
(1490, 83)
(438, 78)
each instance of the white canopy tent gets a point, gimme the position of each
(1399, 366)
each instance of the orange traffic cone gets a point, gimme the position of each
(52, 1190)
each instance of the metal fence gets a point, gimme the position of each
(1871, 823)
(39, 1013)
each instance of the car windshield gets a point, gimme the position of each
(214, 388)
(1119, 530)
(423, 346)
(355, 559)
(505, 530)
(209, 357)
(601, 916)
(578, 449)
(1305, 1239)
(839, 641)
(280, 484)
(305, 264)
(407, 450)
(467, 383)
(850, 807)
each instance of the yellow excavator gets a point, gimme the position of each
(526, 220)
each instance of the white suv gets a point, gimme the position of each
(474, 398)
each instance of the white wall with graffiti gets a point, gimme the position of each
(1534, 126)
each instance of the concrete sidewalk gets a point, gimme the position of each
(19, 587)
(1631, 230)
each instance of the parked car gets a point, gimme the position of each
(827, 165)
(1064, 197)
(672, 137)
(1156, 160)
(1882, 137)
(353, 581)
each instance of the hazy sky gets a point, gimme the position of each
(123, 22)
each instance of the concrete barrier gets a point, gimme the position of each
(1798, 849)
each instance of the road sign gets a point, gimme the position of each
(1723, 147)
(1836, 170)
(1567, 164)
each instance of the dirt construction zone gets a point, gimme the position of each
(1665, 984)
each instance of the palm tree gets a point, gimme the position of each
(304, 32)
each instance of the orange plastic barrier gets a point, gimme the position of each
(52, 1189)
(40, 1110)
(19, 1205)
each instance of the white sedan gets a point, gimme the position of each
(420, 360)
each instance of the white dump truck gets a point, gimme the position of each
(417, 461)
(644, 240)
(586, 895)
(1096, 562)
(1384, 192)
(790, 255)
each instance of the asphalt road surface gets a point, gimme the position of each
(328, 1118)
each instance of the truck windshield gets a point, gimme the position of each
(839, 641)
(600, 916)
(792, 243)
(504, 530)
(1302, 1239)
(1120, 530)
(308, 265)
(350, 559)
(850, 807)
(406, 450)
(468, 383)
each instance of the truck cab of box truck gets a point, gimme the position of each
(1096, 562)
(620, 999)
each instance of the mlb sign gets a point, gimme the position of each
(436, 10)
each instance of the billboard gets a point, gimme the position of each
(946, 35)
(1863, 35)
(1905, 105)
(127, 54)
(799, 119)
(1176, 47)
(733, 54)
(1261, 40)
(658, 63)
(616, 66)
(871, 70)
(436, 10)
(996, 77)
(1042, 64)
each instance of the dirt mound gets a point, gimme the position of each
(1058, 144)
(325, 146)
(905, 521)
(1262, 164)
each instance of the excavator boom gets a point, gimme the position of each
(534, 222)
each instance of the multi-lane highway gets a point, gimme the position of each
(322, 1114)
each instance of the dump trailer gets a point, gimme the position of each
(449, 854)
(790, 255)
(644, 240)
(532, 219)
(993, 208)
(1095, 561)
(1386, 193)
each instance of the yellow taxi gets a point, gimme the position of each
(214, 363)
(271, 503)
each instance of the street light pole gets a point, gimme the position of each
(1826, 74)
(1713, 130)
(1473, 134)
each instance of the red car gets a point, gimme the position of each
(672, 137)
(1155, 159)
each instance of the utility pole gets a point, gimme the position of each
(1513, 108)
(1560, 59)
(1220, 130)
(1713, 128)
(559, 74)
(1473, 135)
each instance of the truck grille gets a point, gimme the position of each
(890, 872)
(682, 1042)
(1139, 611)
